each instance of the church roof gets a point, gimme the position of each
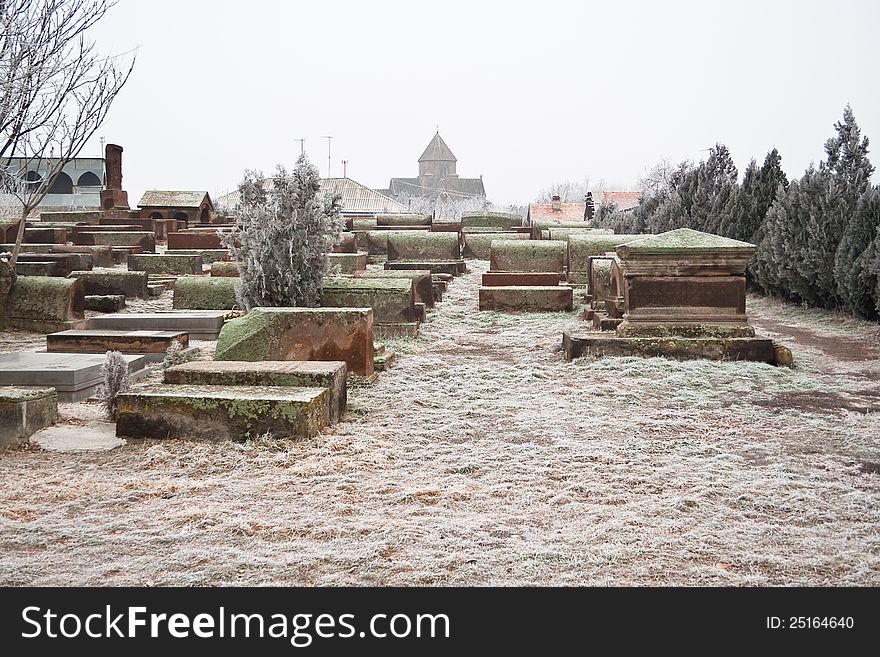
(455, 187)
(357, 198)
(437, 150)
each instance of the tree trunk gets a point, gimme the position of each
(19, 237)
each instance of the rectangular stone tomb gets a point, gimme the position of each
(74, 376)
(45, 235)
(199, 325)
(23, 411)
(390, 298)
(344, 334)
(423, 246)
(760, 350)
(44, 304)
(223, 269)
(546, 298)
(422, 282)
(114, 281)
(142, 239)
(346, 243)
(305, 374)
(403, 220)
(450, 267)
(165, 264)
(186, 239)
(479, 245)
(220, 413)
(507, 278)
(205, 293)
(36, 268)
(64, 263)
(496, 220)
(528, 255)
(104, 303)
(684, 283)
(94, 341)
(207, 255)
(349, 263)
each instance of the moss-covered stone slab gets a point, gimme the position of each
(198, 324)
(526, 298)
(390, 298)
(324, 334)
(207, 255)
(394, 331)
(24, 411)
(581, 246)
(528, 255)
(449, 267)
(41, 303)
(363, 224)
(36, 268)
(221, 413)
(163, 263)
(685, 240)
(225, 269)
(507, 278)
(205, 293)
(403, 220)
(77, 217)
(422, 282)
(423, 245)
(104, 303)
(96, 341)
(348, 263)
(142, 239)
(502, 220)
(346, 243)
(190, 239)
(113, 281)
(478, 245)
(46, 235)
(294, 374)
(63, 263)
(760, 350)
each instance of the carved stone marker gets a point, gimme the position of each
(113, 197)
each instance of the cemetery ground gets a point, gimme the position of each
(482, 457)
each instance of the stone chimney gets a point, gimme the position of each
(556, 204)
(113, 197)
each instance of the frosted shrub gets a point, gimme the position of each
(174, 355)
(114, 373)
(282, 238)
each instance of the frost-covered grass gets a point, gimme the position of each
(482, 457)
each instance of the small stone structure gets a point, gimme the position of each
(105, 303)
(198, 324)
(508, 278)
(24, 411)
(344, 334)
(189, 207)
(422, 282)
(141, 239)
(528, 255)
(113, 197)
(153, 263)
(583, 245)
(513, 298)
(44, 304)
(395, 312)
(420, 246)
(205, 293)
(225, 269)
(348, 263)
(296, 374)
(499, 221)
(113, 281)
(93, 341)
(479, 245)
(194, 239)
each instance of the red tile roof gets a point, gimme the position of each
(567, 212)
(623, 200)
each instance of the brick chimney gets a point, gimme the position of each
(556, 204)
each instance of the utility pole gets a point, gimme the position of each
(302, 146)
(328, 138)
(345, 168)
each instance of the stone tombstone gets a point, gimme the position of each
(684, 283)
(113, 197)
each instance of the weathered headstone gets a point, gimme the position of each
(104, 303)
(23, 411)
(583, 245)
(479, 245)
(41, 303)
(113, 196)
(153, 263)
(528, 255)
(225, 269)
(344, 334)
(205, 293)
(114, 281)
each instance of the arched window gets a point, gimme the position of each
(156, 215)
(203, 217)
(62, 184)
(88, 179)
(33, 178)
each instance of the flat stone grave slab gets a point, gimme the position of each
(200, 325)
(451, 267)
(74, 376)
(205, 293)
(762, 350)
(93, 341)
(208, 255)
(142, 239)
(349, 263)
(93, 436)
(507, 278)
(194, 240)
(113, 281)
(24, 411)
(297, 374)
(478, 245)
(162, 263)
(528, 255)
(224, 269)
(104, 303)
(533, 298)
(221, 412)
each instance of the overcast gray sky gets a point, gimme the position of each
(525, 93)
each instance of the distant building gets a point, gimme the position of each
(357, 199)
(191, 207)
(77, 186)
(437, 175)
(557, 211)
(623, 201)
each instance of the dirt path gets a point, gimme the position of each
(483, 457)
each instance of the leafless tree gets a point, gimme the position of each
(55, 92)
(570, 191)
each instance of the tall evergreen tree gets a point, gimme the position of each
(852, 273)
